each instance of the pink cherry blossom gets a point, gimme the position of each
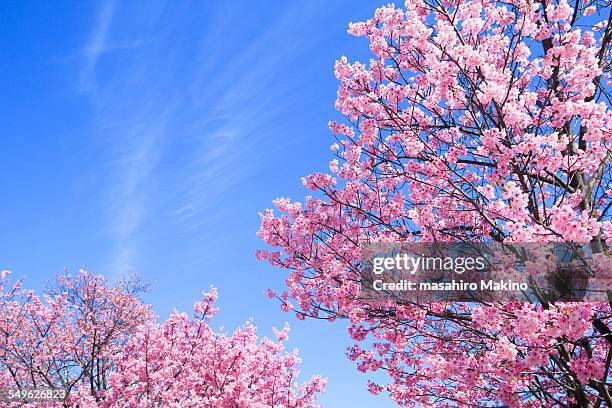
(99, 342)
(478, 121)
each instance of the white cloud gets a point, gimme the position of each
(96, 46)
(222, 111)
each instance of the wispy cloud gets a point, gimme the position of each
(241, 119)
(96, 46)
(131, 127)
(137, 149)
(215, 108)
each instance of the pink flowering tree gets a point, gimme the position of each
(184, 363)
(99, 342)
(475, 121)
(68, 337)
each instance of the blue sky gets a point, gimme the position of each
(146, 136)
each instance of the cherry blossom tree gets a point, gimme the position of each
(474, 121)
(68, 337)
(183, 363)
(99, 342)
